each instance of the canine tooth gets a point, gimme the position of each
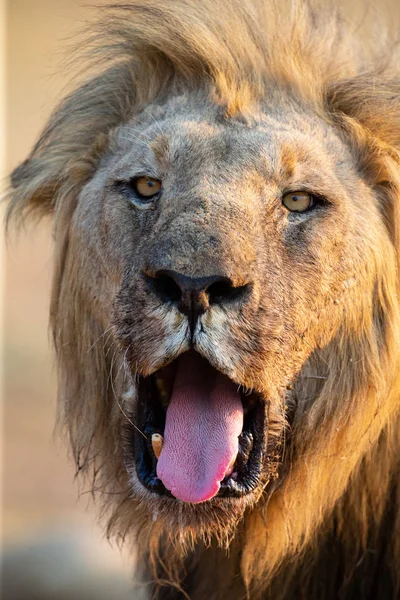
(157, 441)
(229, 470)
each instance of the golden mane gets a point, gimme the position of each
(244, 53)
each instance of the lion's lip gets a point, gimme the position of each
(154, 393)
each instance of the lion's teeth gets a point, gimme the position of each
(157, 441)
(229, 470)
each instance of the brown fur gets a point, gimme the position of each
(236, 101)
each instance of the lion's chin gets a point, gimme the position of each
(197, 436)
(184, 524)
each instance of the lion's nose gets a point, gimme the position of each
(193, 296)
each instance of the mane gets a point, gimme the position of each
(242, 54)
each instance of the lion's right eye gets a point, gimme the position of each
(141, 191)
(146, 187)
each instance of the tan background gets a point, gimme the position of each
(44, 522)
(40, 501)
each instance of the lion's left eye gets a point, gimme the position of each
(298, 201)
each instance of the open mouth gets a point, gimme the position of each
(202, 436)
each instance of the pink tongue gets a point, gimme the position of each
(204, 421)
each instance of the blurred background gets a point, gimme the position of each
(52, 544)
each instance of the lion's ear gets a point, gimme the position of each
(31, 190)
(75, 137)
(371, 100)
(367, 109)
(39, 182)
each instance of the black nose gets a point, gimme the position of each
(193, 296)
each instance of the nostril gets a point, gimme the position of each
(165, 288)
(223, 291)
(193, 295)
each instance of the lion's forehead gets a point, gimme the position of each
(269, 147)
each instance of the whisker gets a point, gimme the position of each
(107, 339)
(127, 135)
(129, 420)
(125, 363)
(108, 351)
(139, 132)
(100, 336)
(111, 381)
(155, 121)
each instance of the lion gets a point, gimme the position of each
(225, 186)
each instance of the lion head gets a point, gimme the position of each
(225, 195)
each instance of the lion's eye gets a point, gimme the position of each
(146, 187)
(141, 191)
(298, 201)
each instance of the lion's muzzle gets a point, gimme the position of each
(193, 296)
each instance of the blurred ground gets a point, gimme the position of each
(47, 533)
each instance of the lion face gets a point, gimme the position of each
(227, 252)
